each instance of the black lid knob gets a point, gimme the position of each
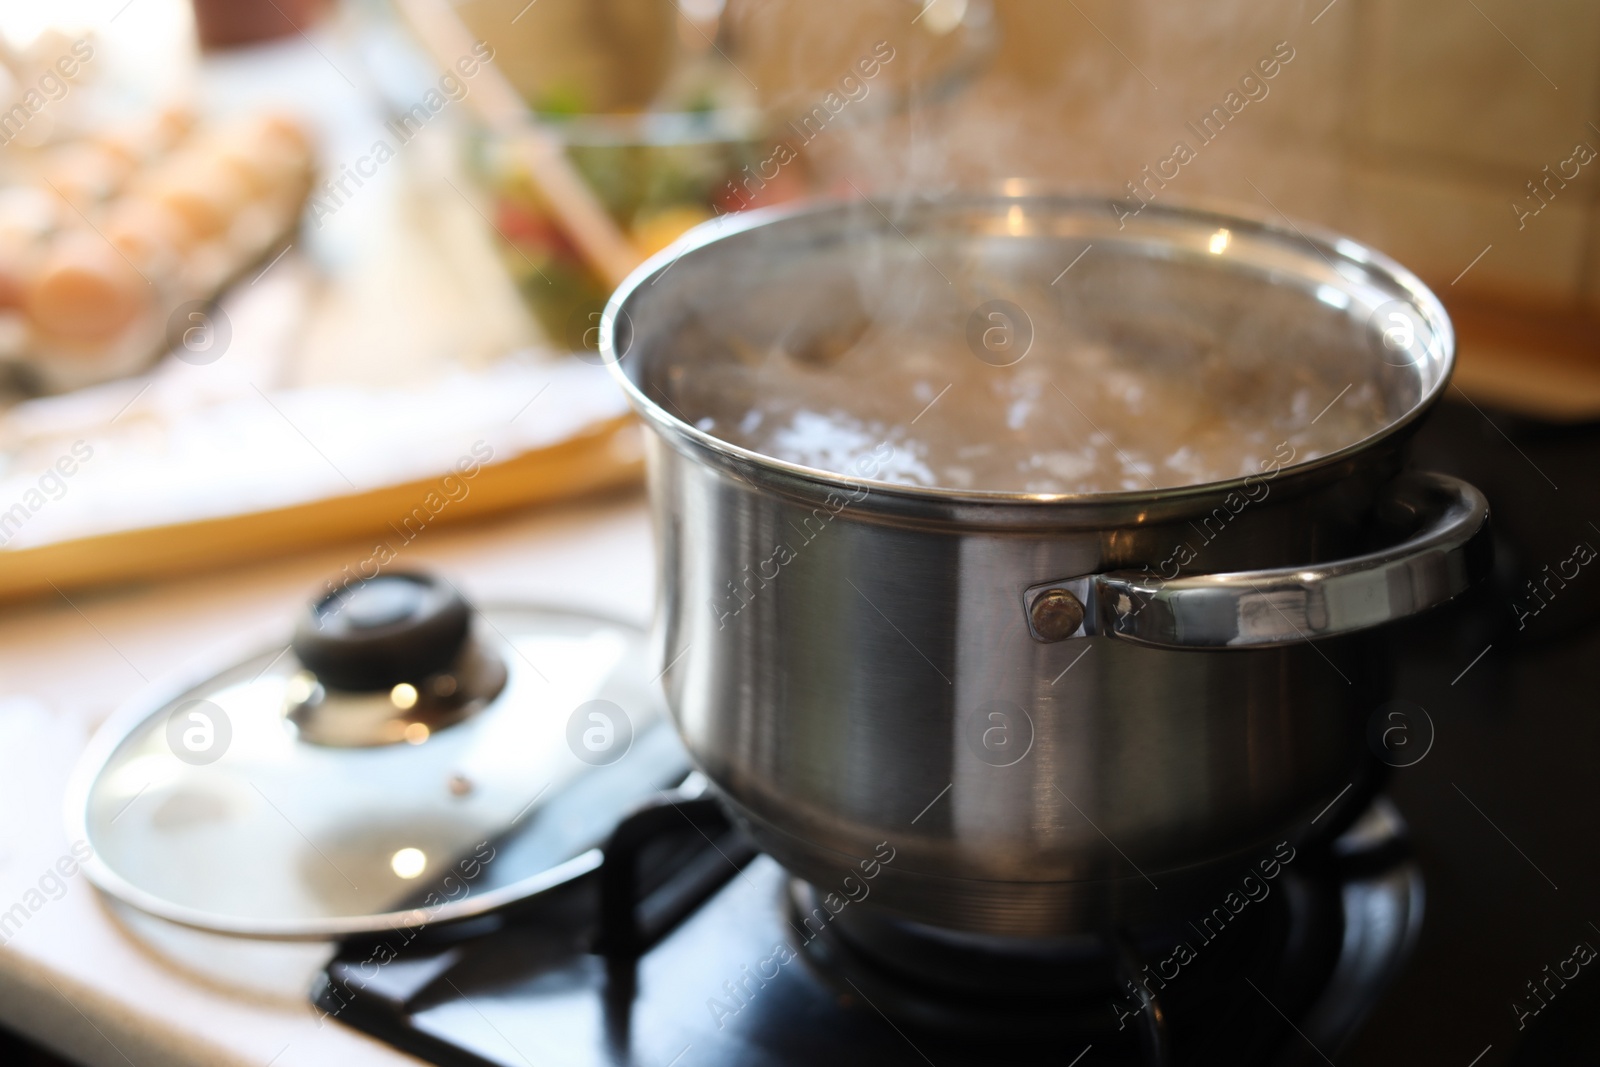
(378, 632)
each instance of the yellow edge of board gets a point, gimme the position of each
(608, 456)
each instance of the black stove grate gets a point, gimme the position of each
(686, 942)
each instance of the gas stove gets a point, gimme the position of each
(1430, 929)
(687, 943)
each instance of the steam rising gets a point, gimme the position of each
(1075, 96)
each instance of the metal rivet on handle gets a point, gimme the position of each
(1056, 615)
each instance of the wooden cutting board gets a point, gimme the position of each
(606, 456)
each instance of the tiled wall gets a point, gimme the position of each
(1411, 124)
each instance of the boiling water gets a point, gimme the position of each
(1068, 418)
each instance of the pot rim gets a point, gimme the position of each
(1329, 245)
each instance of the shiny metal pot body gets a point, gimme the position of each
(854, 663)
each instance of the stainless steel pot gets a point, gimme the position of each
(1057, 711)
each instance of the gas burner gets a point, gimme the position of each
(1314, 942)
(686, 939)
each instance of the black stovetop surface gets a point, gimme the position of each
(1503, 812)
(746, 980)
(1505, 808)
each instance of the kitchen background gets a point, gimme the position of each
(312, 356)
(1420, 126)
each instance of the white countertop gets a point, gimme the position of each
(103, 986)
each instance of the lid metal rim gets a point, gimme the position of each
(162, 693)
(472, 906)
(1324, 242)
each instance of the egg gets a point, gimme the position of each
(28, 214)
(201, 192)
(283, 130)
(150, 235)
(85, 291)
(86, 173)
(13, 285)
(267, 167)
(170, 125)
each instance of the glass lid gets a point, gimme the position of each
(406, 761)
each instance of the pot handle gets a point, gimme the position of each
(1448, 551)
